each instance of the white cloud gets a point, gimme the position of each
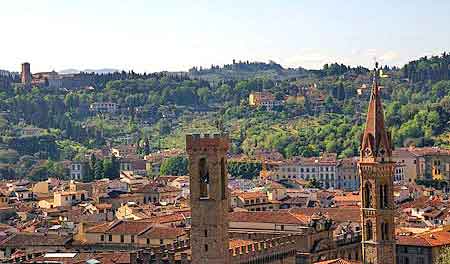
(390, 56)
(310, 59)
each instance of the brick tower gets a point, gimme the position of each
(25, 75)
(376, 174)
(208, 198)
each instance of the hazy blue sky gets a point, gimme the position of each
(150, 35)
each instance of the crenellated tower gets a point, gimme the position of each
(209, 198)
(376, 170)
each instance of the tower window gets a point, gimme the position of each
(385, 196)
(386, 231)
(369, 230)
(223, 176)
(206, 248)
(204, 178)
(381, 196)
(206, 233)
(367, 195)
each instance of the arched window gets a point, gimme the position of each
(203, 178)
(369, 235)
(223, 176)
(367, 195)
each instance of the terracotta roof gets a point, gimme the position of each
(103, 206)
(338, 261)
(252, 195)
(427, 239)
(121, 227)
(156, 187)
(347, 197)
(78, 258)
(163, 232)
(34, 239)
(278, 217)
(338, 215)
(169, 218)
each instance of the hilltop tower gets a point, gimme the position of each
(25, 75)
(209, 198)
(376, 171)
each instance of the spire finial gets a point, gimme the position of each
(376, 143)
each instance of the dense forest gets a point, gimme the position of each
(324, 111)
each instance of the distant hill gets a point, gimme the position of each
(8, 73)
(245, 70)
(99, 71)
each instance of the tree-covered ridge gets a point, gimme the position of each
(323, 111)
(434, 68)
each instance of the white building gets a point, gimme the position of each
(77, 170)
(400, 172)
(347, 174)
(322, 169)
(104, 107)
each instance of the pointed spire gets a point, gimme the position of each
(376, 141)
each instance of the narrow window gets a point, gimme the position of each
(206, 248)
(369, 230)
(122, 238)
(223, 179)
(102, 238)
(386, 231)
(206, 233)
(367, 195)
(110, 238)
(385, 196)
(204, 178)
(381, 194)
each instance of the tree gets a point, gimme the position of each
(99, 171)
(244, 170)
(340, 92)
(8, 156)
(313, 184)
(146, 146)
(444, 256)
(39, 172)
(174, 166)
(111, 168)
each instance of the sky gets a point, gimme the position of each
(150, 35)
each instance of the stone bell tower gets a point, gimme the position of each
(209, 198)
(376, 171)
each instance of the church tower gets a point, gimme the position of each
(209, 198)
(376, 171)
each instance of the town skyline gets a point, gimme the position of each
(173, 36)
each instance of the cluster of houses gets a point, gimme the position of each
(41, 218)
(412, 164)
(142, 216)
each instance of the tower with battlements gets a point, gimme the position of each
(209, 198)
(376, 171)
(25, 75)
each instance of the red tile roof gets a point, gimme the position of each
(34, 239)
(338, 261)
(336, 214)
(278, 217)
(427, 239)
